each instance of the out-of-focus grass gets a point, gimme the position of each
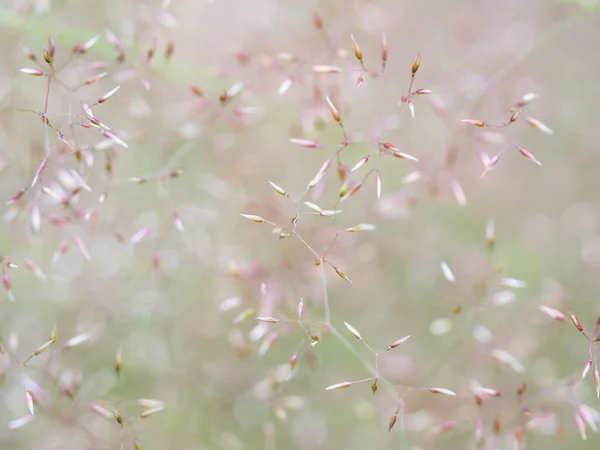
(176, 341)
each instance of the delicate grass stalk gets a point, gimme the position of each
(40, 350)
(398, 342)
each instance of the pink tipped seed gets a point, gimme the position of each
(479, 431)
(361, 227)
(554, 313)
(334, 112)
(411, 107)
(29, 400)
(576, 322)
(527, 154)
(293, 361)
(85, 47)
(137, 237)
(459, 194)
(34, 72)
(378, 184)
(416, 64)
(438, 390)
(580, 425)
(304, 142)
(393, 420)
(76, 340)
(326, 69)
(169, 50)
(359, 164)
(398, 342)
(357, 52)
(448, 426)
(475, 122)
(342, 275)
(151, 411)
(278, 189)
(359, 82)
(341, 385)
(285, 85)
(448, 273)
(597, 381)
(267, 319)
(39, 171)
(319, 174)
(100, 410)
(29, 54)
(108, 95)
(51, 47)
(118, 361)
(353, 331)
(586, 369)
(539, 125)
(401, 155)
(384, 52)
(116, 139)
(491, 163)
(314, 207)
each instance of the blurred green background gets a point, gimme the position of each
(159, 269)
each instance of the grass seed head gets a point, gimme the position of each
(398, 342)
(393, 420)
(357, 52)
(416, 64)
(341, 385)
(334, 112)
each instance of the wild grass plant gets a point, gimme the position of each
(240, 225)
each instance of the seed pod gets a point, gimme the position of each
(398, 342)
(304, 142)
(576, 322)
(317, 22)
(342, 385)
(357, 51)
(438, 390)
(267, 319)
(586, 369)
(34, 72)
(278, 189)
(118, 417)
(555, 314)
(384, 52)
(342, 274)
(118, 361)
(169, 50)
(353, 331)
(477, 123)
(334, 112)
(85, 47)
(416, 64)
(393, 420)
(326, 69)
(527, 154)
(314, 207)
(539, 125)
(108, 95)
(253, 218)
(29, 401)
(360, 163)
(374, 385)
